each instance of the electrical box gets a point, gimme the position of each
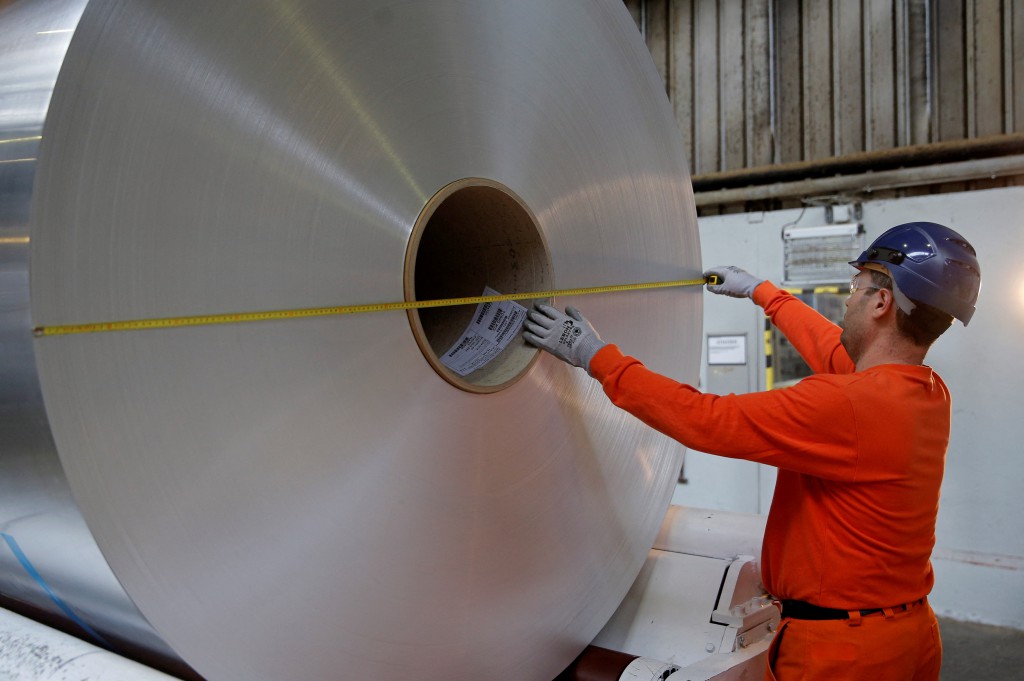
(786, 365)
(727, 364)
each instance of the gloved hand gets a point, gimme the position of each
(735, 282)
(569, 336)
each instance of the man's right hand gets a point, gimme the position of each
(733, 281)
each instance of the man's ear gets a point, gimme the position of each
(885, 303)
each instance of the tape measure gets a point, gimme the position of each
(303, 313)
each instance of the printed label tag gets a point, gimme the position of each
(493, 327)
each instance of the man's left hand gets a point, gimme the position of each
(569, 336)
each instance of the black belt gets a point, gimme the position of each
(802, 610)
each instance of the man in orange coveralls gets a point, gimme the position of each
(860, 447)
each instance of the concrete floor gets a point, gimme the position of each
(979, 652)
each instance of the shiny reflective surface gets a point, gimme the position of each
(48, 559)
(309, 499)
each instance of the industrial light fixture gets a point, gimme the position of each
(820, 255)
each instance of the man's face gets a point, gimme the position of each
(855, 320)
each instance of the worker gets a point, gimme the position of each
(860, 447)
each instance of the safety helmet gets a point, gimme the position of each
(931, 264)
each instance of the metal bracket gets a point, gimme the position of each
(744, 606)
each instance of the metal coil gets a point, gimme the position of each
(316, 498)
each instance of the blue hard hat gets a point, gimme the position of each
(931, 264)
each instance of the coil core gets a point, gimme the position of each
(471, 234)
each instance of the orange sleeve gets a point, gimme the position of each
(814, 337)
(780, 428)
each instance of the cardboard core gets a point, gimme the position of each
(474, 233)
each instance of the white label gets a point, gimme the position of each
(493, 327)
(727, 350)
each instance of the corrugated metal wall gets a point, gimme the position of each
(759, 82)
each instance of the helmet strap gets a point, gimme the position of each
(902, 302)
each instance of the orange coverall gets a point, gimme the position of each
(852, 521)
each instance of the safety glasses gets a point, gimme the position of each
(856, 286)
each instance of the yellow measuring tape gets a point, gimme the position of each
(302, 313)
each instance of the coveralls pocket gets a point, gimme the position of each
(813, 650)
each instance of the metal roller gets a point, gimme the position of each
(319, 498)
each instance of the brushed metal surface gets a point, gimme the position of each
(49, 563)
(309, 499)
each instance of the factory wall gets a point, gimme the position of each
(757, 82)
(979, 551)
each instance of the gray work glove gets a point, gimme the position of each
(733, 281)
(569, 336)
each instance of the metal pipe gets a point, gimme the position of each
(868, 182)
(862, 162)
